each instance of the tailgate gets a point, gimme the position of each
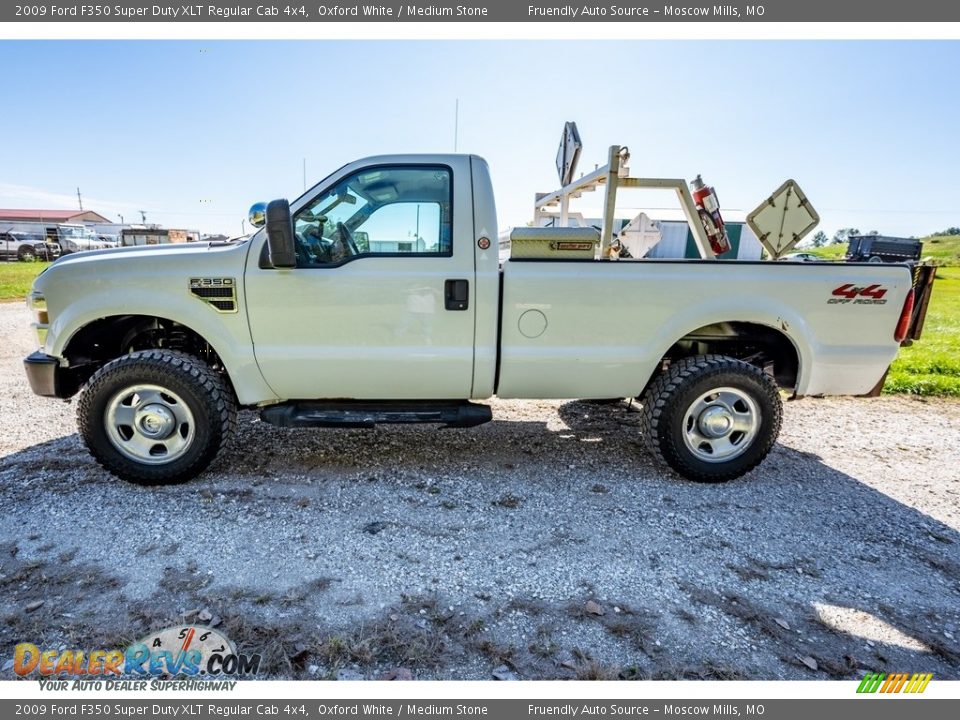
(923, 277)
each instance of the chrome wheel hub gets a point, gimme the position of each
(721, 424)
(155, 421)
(715, 421)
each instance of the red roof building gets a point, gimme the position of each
(54, 216)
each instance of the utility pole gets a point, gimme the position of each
(79, 199)
(304, 174)
(143, 216)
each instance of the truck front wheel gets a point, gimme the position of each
(712, 418)
(156, 416)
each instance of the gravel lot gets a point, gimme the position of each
(468, 553)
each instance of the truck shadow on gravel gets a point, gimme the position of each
(523, 549)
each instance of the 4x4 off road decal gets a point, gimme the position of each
(849, 293)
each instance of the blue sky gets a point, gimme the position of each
(194, 132)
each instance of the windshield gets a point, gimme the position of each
(384, 210)
(74, 232)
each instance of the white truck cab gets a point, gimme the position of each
(387, 260)
(378, 296)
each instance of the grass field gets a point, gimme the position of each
(930, 367)
(943, 250)
(17, 277)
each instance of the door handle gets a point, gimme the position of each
(456, 294)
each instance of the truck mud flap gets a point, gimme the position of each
(369, 413)
(878, 388)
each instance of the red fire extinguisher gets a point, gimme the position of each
(705, 198)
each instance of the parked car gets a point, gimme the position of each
(24, 246)
(77, 238)
(801, 257)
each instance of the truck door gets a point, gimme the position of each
(380, 305)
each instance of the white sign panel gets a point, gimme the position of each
(783, 219)
(568, 153)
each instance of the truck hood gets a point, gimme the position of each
(119, 266)
(144, 252)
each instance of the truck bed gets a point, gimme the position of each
(600, 328)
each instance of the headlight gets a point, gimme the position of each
(38, 305)
(36, 301)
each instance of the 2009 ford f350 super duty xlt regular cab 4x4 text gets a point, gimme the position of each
(378, 296)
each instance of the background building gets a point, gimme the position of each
(51, 216)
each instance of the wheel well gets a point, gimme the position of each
(107, 338)
(760, 345)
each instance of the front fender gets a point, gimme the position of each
(229, 340)
(155, 284)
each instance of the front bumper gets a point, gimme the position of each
(49, 379)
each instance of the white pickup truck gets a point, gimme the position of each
(378, 296)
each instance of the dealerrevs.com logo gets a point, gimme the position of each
(182, 650)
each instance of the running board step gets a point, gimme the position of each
(368, 413)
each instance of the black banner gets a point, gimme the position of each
(485, 11)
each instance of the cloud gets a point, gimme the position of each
(24, 196)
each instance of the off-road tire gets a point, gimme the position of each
(204, 391)
(669, 397)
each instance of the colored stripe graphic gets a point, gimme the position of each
(890, 682)
(870, 682)
(920, 684)
(894, 683)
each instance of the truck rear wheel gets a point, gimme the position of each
(712, 418)
(156, 416)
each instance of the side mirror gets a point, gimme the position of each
(280, 242)
(257, 215)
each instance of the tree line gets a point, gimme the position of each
(843, 235)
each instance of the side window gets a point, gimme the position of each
(402, 211)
